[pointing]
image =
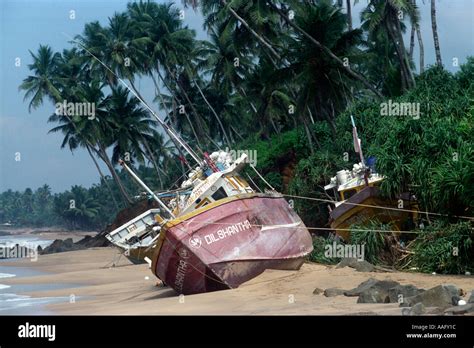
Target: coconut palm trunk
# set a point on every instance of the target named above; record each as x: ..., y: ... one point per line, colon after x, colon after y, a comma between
x: 104, y: 179
x: 412, y: 41
x: 106, y: 160
x: 103, y: 155
x: 152, y: 159
x: 394, y: 31
x: 191, y: 105
x: 420, y: 43
x: 422, y: 50
x: 434, y: 28
x: 349, y: 14
x: 404, y: 56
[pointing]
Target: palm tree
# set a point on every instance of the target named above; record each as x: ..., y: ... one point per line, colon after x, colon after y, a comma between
x: 191, y: 76
x: 254, y: 16
x: 42, y: 195
x: 42, y: 83
x: 325, y: 86
x: 434, y: 28
x: 415, y: 28
x: 384, y: 15
x: 116, y: 47
x: 85, y: 208
x: 269, y: 96
x: 327, y: 51
x: 55, y: 77
x: 132, y: 130
x: 222, y: 61
x: 166, y: 43
x: 91, y: 134
x: 74, y: 130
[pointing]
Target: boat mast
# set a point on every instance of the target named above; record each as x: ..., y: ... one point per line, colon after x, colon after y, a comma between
x: 357, y: 145
x: 142, y: 184
x: 358, y: 149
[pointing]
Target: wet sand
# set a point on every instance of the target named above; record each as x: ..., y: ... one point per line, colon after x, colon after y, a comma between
x: 134, y: 290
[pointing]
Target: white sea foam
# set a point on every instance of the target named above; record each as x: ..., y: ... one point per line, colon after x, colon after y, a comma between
x: 4, y: 286
x: 6, y: 275
x: 13, y: 303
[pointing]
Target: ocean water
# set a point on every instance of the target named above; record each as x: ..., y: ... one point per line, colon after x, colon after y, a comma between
x: 29, y: 241
x: 13, y: 301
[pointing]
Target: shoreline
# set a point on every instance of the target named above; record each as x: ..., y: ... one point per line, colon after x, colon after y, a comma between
x: 45, y: 233
x: 127, y: 289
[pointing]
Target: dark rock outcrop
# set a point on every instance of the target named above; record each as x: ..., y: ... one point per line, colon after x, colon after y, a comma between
x: 467, y: 308
x: 374, y: 295
x: 400, y: 292
x: 417, y: 309
x: 471, y: 298
x: 59, y: 246
x: 439, y: 296
x: 455, y: 300
x: 383, y: 285
x: 382, y: 291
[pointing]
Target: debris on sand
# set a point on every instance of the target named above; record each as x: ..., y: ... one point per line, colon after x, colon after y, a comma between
x: 331, y: 292
x: 358, y: 265
x: 318, y: 291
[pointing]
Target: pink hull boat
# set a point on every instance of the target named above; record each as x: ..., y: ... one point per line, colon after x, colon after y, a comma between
x: 225, y: 244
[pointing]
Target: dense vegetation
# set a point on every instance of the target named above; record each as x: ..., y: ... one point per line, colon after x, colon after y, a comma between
x: 278, y: 78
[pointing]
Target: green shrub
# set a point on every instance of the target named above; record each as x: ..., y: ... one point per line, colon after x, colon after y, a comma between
x: 319, y: 248
x: 369, y: 235
x: 435, y: 248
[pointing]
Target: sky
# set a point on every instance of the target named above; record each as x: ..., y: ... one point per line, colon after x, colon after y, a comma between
x: 30, y: 157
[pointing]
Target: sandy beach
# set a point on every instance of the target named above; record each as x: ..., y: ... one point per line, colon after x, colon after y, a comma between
x: 99, y: 288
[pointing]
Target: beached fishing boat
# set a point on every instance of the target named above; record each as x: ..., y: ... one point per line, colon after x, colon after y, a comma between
x: 136, y: 236
x: 218, y: 234
x: 358, y: 199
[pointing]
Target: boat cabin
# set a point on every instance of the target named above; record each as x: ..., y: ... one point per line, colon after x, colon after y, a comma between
x: 217, y: 186
x: 347, y: 183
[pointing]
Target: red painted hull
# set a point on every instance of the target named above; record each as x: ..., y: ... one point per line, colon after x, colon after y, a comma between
x: 230, y: 244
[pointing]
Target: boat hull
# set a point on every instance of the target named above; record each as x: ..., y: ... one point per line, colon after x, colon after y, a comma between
x: 345, y: 215
x: 230, y: 243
